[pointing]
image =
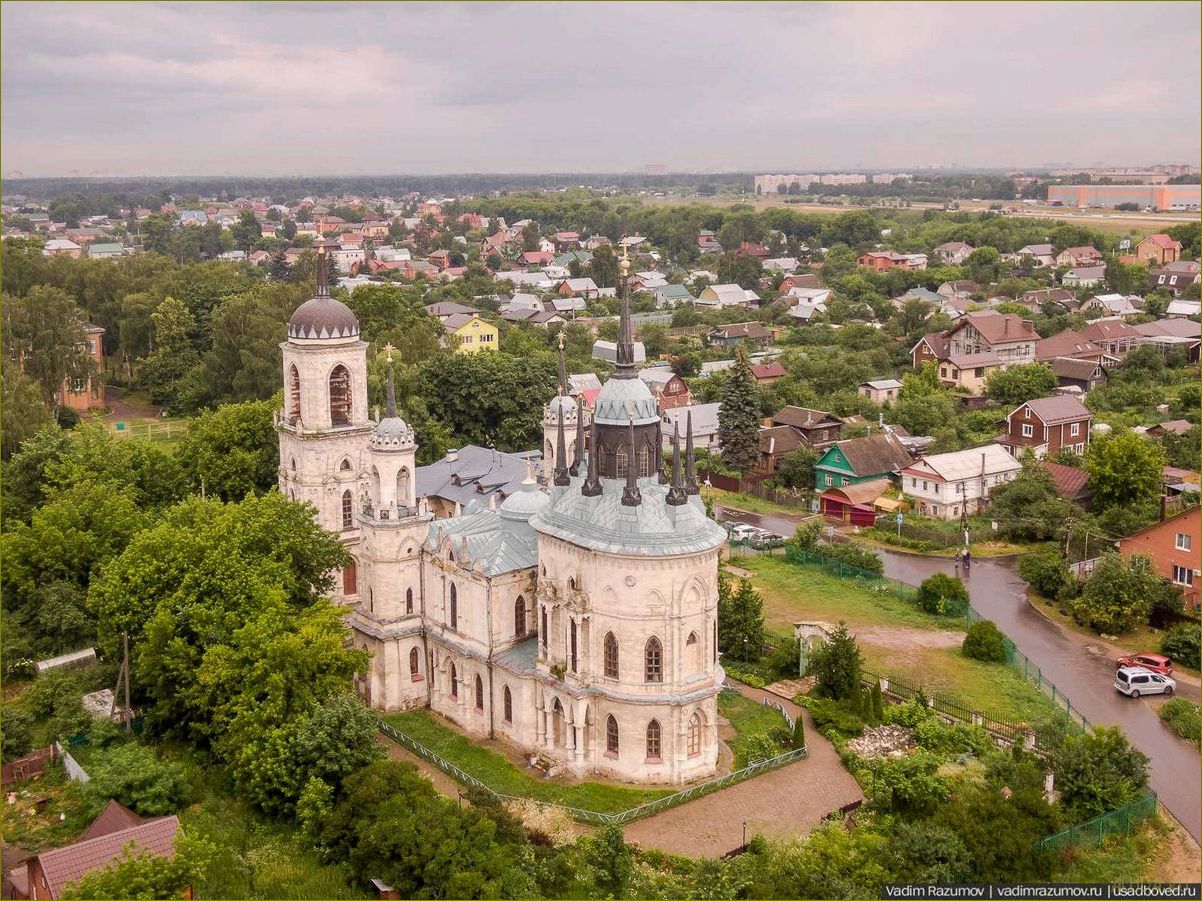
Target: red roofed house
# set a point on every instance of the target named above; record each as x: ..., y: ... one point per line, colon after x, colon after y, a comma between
x: 748, y: 249
x: 1173, y: 546
x: 46, y: 874
x: 1072, y: 483
x: 1079, y: 256
x: 669, y: 389
x: 767, y: 373
x: 1157, y: 250
x: 537, y: 258
x: 1046, y: 425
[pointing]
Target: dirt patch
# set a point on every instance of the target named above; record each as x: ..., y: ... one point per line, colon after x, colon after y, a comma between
x: 1177, y: 858
x: 902, y: 638
x: 739, y: 573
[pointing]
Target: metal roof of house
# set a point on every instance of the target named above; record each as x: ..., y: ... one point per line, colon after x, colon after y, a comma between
x: 966, y: 464
x: 62, y: 866
x: 474, y: 475
x: 873, y: 454
x: 705, y: 419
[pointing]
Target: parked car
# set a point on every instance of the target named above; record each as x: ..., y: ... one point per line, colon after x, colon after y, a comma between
x: 1157, y: 663
x: 1134, y: 681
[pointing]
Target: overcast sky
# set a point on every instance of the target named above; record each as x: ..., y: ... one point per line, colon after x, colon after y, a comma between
x: 358, y: 88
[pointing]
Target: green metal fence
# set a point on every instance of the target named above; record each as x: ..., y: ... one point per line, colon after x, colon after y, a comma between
x: 595, y: 816
x: 1033, y: 674
x: 1094, y: 832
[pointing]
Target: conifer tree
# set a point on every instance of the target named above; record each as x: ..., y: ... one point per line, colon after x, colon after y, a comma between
x: 739, y: 416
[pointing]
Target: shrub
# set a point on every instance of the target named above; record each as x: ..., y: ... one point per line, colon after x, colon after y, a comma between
x: 134, y: 775
x: 907, y: 713
x: 943, y: 738
x: 16, y: 733
x: 836, y: 666
x: 782, y: 662
x: 856, y: 555
x: 761, y: 747
x: 1118, y: 594
x: 1098, y: 772
x: 833, y: 714
x: 1046, y: 572
x: 984, y: 641
x: 1181, y: 643
x: 1182, y: 717
x: 799, y: 732
x: 937, y: 592
x: 746, y: 678
x: 909, y: 784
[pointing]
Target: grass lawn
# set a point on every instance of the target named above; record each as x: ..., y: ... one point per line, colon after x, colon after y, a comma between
x: 496, y: 771
x: 748, y: 718
x: 750, y: 503
x: 895, y: 637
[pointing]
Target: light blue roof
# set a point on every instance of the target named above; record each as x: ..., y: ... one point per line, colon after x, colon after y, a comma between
x: 488, y: 542
x: 620, y: 399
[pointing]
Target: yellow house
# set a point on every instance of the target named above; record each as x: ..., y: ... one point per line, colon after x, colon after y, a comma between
x: 471, y: 333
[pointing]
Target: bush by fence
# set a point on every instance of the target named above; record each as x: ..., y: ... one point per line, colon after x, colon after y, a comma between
x: 1094, y: 832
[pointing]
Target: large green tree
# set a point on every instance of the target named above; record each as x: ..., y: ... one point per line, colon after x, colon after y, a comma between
x: 1119, y: 594
x: 739, y: 415
x: 1016, y: 385
x: 740, y: 620
x: 1124, y: 469
x: 44, y: 338
x: 232, y: 451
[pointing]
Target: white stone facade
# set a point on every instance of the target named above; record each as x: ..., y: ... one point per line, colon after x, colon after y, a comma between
x: 507, y: 621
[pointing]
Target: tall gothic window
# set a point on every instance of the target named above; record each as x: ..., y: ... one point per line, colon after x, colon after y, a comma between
x: 572, y: 632
x: 294, y: 394
x: 348, y: 509
x: 611, y: 656
x: 621, y: 462
x: 414, y: 661
x: 653, y: 661
x: 479, y: 693
x: 340, y: 396
x: 350, y: 579
x: 508, y: 705
x: 408, y: 600
x: 519, y: 617
x: 653, y: 735
x: 543, y: 634
x: 611, y: 735
x: 454, y: 682
x: 694, y: 737
x: 644, y: 457
x: 454, y: 607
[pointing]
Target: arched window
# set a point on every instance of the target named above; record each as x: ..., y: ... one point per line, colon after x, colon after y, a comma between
x: 572, y: 645
x: 611, y: 656
x: 294, y: 394
x: 620, y: 462
x: 344, y: 466
x: 519, y: 617
x: 454, y: 607
x: 340, y: 396
x: 479, y: 693
x: 414, y: 662
x: 508, y: 705
x: 402, y: 487
x: 454, y: 682
x: 348, y: 509
x: 408, y: 600
x: 692, y: 652
x: 653, y: 734
x: 611, y: 736
x: 653, y: 661
x: 644, y: 458
x: 543, y: 634
x: 694, y: 735
x: 350, y: 578
x: 292, y: 464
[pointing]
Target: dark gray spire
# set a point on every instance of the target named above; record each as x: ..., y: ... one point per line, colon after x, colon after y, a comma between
x: 592, y: 484
x: 578, y: 454
x: 561, y: 454
x: 676, y: 494
x: 631, y: 497
x: 625, y: 349
x: 659, y: 453
x: 690, y: 464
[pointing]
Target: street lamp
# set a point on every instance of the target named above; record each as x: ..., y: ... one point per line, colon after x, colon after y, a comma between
x: 744, y: 835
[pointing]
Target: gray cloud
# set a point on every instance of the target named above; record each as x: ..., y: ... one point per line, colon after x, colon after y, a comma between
x: 141, y: 88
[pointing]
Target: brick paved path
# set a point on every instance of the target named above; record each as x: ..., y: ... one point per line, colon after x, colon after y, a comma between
x: 782, y: 803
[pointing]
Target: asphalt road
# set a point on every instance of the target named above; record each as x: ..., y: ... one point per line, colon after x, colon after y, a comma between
x: 1084, y: 672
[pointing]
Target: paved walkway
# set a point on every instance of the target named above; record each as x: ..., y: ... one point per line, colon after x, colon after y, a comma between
x: 782, y: 803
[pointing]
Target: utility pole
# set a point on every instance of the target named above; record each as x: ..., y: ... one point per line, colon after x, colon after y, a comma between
x: 129, y: 714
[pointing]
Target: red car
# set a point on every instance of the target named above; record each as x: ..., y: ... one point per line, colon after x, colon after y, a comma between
x: 1157, y: 663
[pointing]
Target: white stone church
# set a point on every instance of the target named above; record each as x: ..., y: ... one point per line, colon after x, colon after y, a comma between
x: 578, y: 622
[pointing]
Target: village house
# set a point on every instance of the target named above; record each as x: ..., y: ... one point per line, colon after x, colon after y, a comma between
x: 726, y: 296
x: 707, y: 242
x: 1158, y: 250
x: 469, y: 334
x: 1084, y: 277
x: 578, y: 287
x: 879, y: 391
x: 61, y: 247
x: 739, y: 332
x: 1077, y: 375
x: 780, y: 264
x: 1074, y: 257
x: 953, y: 253
x: 1110, y: 305
x: 943, y: 486
x: 805, y: 280
x: 1068, y: 343
x: 1173, y: 545
x: 861, y: 459
x: 977, y: 344
x: 1114, y: 336
x: 767, y: 373
x: 670, y: 295
x: 1169, y: 334
x: 882, y: 260
x: 817, y: 428
x: 1175, y: 277
x: 87, y: 393
x: 668, y: 389
x: 776, y: 443
x: 1046, y: 425
x: 1181, y: 309
x: 1071, y: 483
x: 959, y: 289
x: 1037, y: 255
x: 1037, y: 298
x: 704, y: 418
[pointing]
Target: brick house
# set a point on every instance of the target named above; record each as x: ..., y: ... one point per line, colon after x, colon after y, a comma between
x: 1046, y: 425
x: 669, y: 389
x: 1173, y: 545
x: 87, y: 393
x: 1079, y: 256
x: 1158, y: 250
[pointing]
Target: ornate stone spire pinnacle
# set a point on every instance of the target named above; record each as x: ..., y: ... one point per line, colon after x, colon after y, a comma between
x: 676, y: 494
x: 578, y: 453
x: 631, y: 497
x: 659, y: 453
x: 563, y: 372
x: 625, y: 349
x: 592, y: 484
x: 561, y: 453
x: 690, y: 464
x: 323, y: 275
x: 391, y: 408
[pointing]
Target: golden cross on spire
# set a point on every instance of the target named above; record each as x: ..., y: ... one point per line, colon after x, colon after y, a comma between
x: 388, y: 349
x: 561, y: 339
